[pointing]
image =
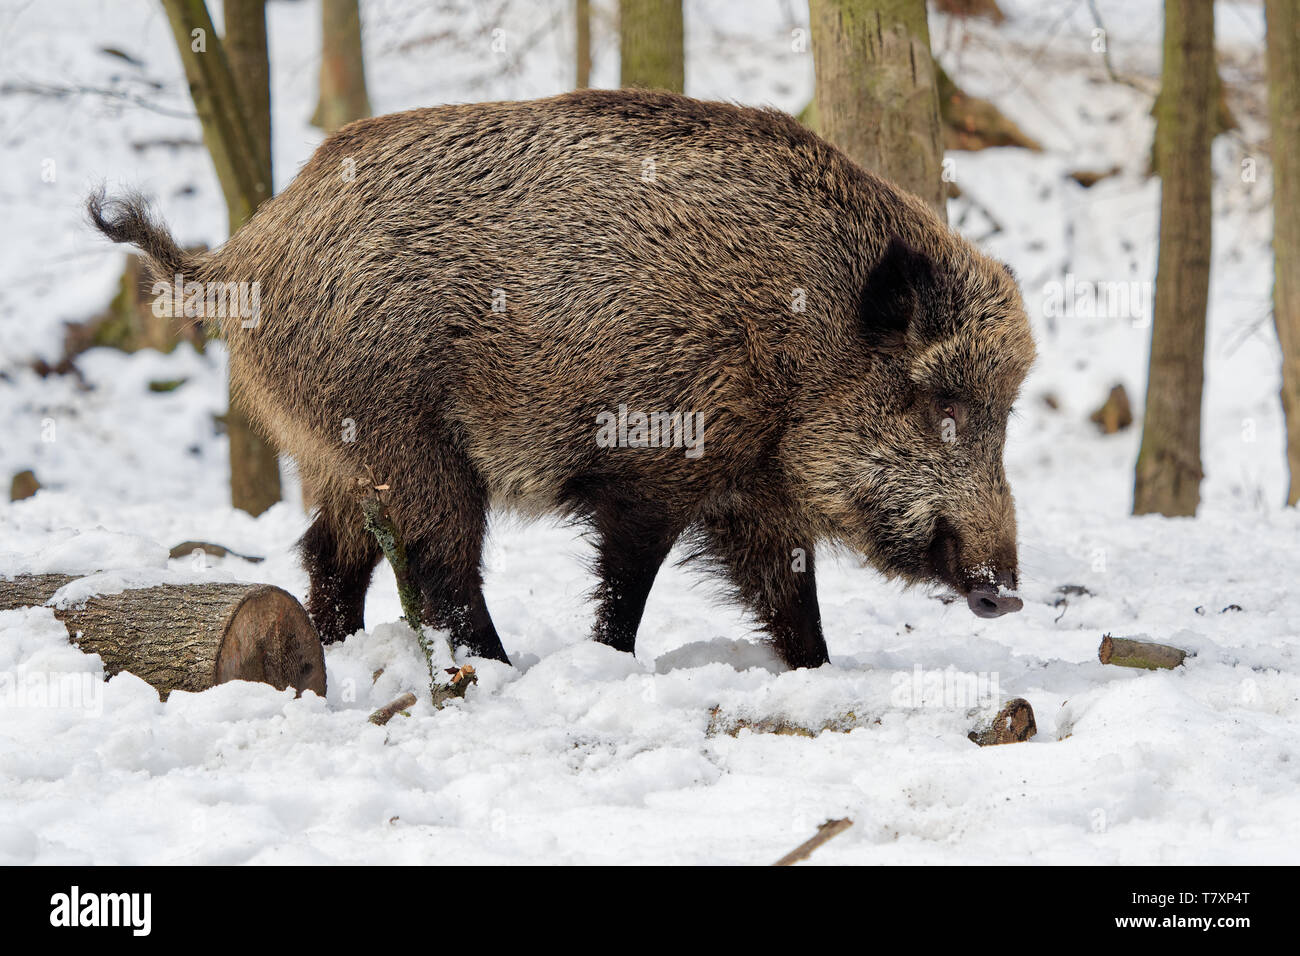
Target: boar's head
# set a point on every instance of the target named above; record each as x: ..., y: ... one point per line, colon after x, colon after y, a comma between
x: 901, y: 450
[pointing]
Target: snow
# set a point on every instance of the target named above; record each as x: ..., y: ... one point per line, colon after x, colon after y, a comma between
x: 580, y: 754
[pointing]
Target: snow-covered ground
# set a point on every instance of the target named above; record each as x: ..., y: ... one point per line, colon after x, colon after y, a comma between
x: 579, y: 753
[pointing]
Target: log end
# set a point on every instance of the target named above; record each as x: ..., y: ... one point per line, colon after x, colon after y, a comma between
x: 269, y: 638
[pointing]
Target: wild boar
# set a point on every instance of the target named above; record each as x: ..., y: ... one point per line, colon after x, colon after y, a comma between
x: 663, y: 318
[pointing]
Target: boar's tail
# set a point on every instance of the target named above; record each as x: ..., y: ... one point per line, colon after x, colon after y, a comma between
x: 128, y: 220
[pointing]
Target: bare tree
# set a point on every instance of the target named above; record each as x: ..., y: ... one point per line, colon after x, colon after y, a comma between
x: 1169, y: 472
x: 877, y: 90
x: 230, y: 86
x: 1284, y: 118
x: 651, y: 44
x: 343, y: 96
x: 582, y: 12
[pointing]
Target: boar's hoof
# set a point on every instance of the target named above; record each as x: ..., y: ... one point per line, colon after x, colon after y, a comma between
x: 986, y: 602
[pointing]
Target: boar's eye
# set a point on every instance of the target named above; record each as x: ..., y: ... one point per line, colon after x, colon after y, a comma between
x: 946, y: 407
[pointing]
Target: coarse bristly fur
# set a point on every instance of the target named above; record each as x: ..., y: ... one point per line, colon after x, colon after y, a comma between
x: 450, y: 298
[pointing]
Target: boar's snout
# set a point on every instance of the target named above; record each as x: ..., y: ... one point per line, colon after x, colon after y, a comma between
x: 983, y: 579
x: 988, y: 602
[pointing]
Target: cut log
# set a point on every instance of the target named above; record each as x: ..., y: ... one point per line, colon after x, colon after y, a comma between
x: 189, y: 637
x: 30, y: 590
x: 1123, y: 652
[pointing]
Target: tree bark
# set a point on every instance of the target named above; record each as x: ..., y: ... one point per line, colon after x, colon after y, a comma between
x: 254, y: 467
x: 343, y: 96
x: 1284, y: 119
x: 245, y: 181
x: 582, y: 56
x: 651, y: 45
x: 1168, y: 474
x: 877, y: 90
x: 189, y: 638
x: 231, y: 93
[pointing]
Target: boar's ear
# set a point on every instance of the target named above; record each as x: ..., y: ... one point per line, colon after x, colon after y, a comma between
x: 896, y: 290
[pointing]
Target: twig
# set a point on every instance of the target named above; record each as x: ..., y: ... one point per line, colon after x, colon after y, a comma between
x: 827, y: 831
x: 386, y: 713
x: 1105, y: 51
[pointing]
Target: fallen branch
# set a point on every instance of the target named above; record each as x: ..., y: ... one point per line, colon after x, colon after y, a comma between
x: 1013, y: 724
x: 827, y: 831
x: 386, y: 713
x: 187, y: 548
x: 1123, y: 652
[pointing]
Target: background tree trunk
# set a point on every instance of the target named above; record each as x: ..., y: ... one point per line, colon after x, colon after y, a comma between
x: 877, y: 90
x: 1169, y: 473
x: 231, y: 93
x: 254, y: 467
x: 1284, y: 119
x: 189, y: 638
x: 582, y: 12
x: 651, y: 45
x: 343, y: 96
x: 244, y: 179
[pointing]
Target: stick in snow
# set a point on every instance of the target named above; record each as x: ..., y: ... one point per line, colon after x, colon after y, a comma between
x: 827, y: 831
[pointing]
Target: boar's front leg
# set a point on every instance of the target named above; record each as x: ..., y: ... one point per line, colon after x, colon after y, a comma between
x: 452, y: 589
x: 633, y: 542
x: 772, y: 575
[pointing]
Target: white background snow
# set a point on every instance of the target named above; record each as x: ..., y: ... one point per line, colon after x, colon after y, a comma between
x: 579, y: 753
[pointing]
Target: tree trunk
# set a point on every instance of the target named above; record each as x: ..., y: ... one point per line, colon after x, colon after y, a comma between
x: 1284, y: 119
x: 1169, y: 464
x: 254, y: 468
x: 877, y: 90
x: 651, y: 45
x: 245, y: 180
x: 582, y: 11
x: 229, y: 83
x: 343, y: 96
x: 189, y: 638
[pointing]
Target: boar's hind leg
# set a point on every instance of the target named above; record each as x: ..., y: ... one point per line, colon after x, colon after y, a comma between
x: 773, y: 577
x: 447, y: 567
x: 633, y: 543
x: 340, y: 575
